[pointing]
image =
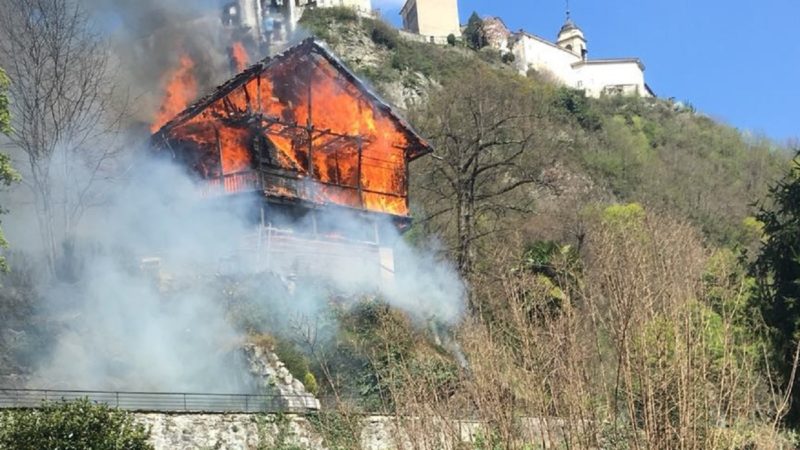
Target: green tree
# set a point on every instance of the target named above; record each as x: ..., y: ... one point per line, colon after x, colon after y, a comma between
x: 7, y: 173
x: 74, y: 425
x: 475, y: 35
x: 778, y: 274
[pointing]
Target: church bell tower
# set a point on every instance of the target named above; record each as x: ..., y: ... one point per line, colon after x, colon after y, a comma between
x: 571, y: 38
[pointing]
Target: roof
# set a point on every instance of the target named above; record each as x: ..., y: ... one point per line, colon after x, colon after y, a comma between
x: 419, y: 146
x: 498, y: 20
x: 569, y: 25
x: 407, y: 6
x: 590, y: 62
x: 544, y: 41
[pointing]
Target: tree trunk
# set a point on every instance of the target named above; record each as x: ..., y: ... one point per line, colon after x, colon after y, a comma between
x: 466, y: 213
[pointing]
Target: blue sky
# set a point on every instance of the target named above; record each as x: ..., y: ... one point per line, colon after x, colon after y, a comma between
x: 735, y: 60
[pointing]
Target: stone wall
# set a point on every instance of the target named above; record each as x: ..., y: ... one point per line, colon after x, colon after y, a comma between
x: 258, y: 431
x: 226, y: 431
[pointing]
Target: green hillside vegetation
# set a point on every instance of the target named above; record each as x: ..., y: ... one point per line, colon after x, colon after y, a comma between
x: 608, y: 245
x: 658, y: 152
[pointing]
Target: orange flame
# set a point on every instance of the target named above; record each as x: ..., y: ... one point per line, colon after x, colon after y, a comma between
x: 357, y: 153
x: 181, y: 89
x: 239, y: 56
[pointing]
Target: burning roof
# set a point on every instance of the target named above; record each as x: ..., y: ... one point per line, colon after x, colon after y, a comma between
x: 299, y: 126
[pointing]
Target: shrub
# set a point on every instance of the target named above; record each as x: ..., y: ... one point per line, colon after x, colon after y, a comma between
x: 382, y: 33
x: 320, y: 21
x: 310, y: 382
x: 74, y: 425
x: 451, y: 39
x: 575, y: 103
x: 294, y: 361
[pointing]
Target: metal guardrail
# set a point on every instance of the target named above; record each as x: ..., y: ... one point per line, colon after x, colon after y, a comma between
x: 163, y: 401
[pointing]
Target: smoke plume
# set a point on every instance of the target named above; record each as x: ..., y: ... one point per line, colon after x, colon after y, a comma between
x: 148, y: 304
x: 148, y: 311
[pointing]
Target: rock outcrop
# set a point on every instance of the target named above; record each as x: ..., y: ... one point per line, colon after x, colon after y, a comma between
x: 274, y: 378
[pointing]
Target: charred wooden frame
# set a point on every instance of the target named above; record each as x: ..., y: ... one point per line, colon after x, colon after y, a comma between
x: 294, y: 155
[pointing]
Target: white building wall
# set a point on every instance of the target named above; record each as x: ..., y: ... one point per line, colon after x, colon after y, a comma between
x: 623, y: 77
x: 532, y: 53
x: 596, y: 77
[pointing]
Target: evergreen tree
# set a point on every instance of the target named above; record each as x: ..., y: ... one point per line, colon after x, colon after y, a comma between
x: 778, y: 274
x: 475, y: 35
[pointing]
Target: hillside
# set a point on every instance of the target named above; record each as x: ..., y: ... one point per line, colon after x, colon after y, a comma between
x: 661, y: 153
x: 579, y: 274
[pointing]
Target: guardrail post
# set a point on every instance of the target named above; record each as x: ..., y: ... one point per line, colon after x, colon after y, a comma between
x: 184, y: 403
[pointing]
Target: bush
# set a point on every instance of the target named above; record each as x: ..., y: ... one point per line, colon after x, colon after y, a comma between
x: 575, y: 104
x: 321, y: 21
x: 294, y: 361
x: 310, y: 382
x: 451, y: 39
x: 74, y: 425
x: 382, y: 33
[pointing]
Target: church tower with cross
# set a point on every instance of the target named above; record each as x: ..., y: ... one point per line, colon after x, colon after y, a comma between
x: 566, y: 60
x: 571, y: 38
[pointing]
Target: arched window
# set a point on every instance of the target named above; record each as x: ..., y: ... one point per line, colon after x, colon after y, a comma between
x: 569, y: 47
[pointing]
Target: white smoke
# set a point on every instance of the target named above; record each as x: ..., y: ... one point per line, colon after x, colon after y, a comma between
x: 121, y: 327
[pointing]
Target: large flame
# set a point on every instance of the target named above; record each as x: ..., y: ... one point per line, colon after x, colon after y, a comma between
x: 304, y: 117
x: 239, y: 56
x: 180, y: 90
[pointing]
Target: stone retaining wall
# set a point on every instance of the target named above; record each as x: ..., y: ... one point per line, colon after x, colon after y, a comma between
x: 255, y: 431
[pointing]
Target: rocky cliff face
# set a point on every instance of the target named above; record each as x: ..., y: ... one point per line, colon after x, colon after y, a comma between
x: 274, y: 378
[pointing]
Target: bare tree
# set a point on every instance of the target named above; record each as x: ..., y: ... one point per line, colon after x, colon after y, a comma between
x: 61, y: 98
x: 489, y: 140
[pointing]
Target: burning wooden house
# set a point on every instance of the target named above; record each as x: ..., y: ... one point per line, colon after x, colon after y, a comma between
x: 308, y: 136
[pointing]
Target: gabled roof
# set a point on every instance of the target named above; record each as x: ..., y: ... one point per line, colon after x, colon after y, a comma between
x: 419, y: 146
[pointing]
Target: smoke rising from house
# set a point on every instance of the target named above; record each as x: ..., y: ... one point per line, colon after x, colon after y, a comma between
x: 150, y: 38
x: 147, y: 304
x: 148, y: 310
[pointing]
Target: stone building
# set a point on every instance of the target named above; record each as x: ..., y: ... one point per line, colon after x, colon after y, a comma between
x: 497, y: 33
x: 567, y: 60
x: 432, y: 19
